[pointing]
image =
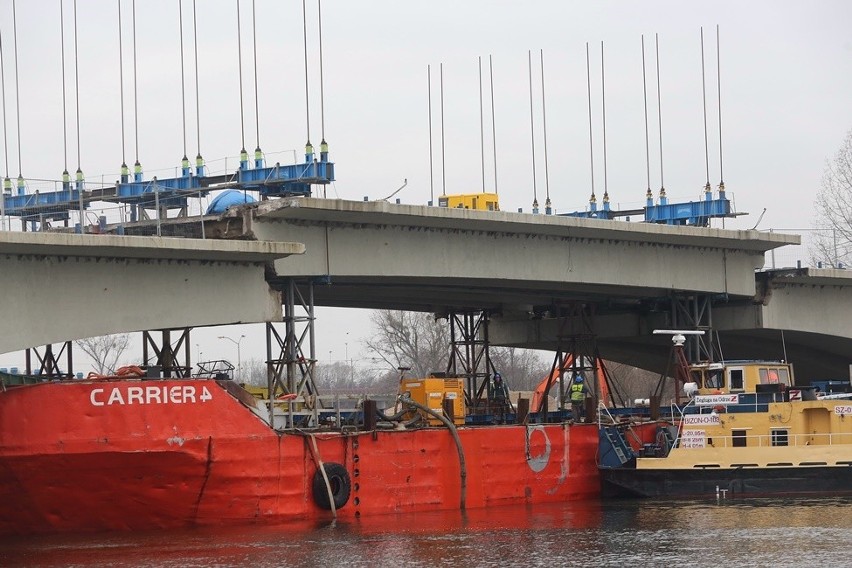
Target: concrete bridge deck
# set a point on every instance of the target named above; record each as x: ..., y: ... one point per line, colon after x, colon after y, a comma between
x: 58, y: 287
x: 381, y: 255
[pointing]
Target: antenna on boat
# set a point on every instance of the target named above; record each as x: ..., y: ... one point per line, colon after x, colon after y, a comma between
x: 431, y: 168
x: 548, y: 208
x: 493, y: 129
x: 532, y: 134
x: 592, y: 199
x: 649, y: 196
x: 707, y: 188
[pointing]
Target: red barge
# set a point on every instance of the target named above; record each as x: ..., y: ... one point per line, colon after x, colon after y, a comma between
x: 135, y: 453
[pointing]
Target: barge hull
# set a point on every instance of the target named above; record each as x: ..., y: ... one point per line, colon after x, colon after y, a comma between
x: 741, y: 482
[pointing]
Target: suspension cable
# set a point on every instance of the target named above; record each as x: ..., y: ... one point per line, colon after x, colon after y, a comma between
x: 443, y: 152
x: 645, y: 102
x: 659, y: 109
x: 544, y: 124
x: 17, y: 83
x: 5, y: 123
x: 431, y: 167
x: 719, y: 88
x: 603, y: 113
x: 307, y: 98
x: 256, y: 98
x: 77, y: 85
x: 532, y: 128
x: 481, y: 127
x: 121, y: 85
x: 493, y: 130
x: 240, y: 57
x: 197, y: 102
x: 589, y: 96
x: 135, y: 86
x: 322, y: 92
x: 182, y: 77
x: 704, y: 101
x: 64, y: 105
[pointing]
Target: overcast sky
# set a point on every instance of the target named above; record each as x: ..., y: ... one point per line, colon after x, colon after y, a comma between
x: 786, y: 88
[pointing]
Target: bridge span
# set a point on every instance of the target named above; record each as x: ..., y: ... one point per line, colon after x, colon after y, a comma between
x: 58, y: 287
x: 523, y: 269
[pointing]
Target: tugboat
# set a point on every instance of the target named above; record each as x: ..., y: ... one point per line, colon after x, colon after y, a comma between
x: 746, y: 429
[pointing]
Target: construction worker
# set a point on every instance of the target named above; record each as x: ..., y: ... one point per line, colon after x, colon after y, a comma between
x: 501, y: 396
x: 578, y: 397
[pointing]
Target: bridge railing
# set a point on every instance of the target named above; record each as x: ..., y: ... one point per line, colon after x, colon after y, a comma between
x: 820, y: 248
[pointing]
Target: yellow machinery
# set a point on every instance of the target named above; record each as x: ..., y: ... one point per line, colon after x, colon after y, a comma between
x: 478, y: 201
x: 432, y: 392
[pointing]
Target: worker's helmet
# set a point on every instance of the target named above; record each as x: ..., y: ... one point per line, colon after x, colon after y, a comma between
x: 578, y: 378
x: 498, y: 377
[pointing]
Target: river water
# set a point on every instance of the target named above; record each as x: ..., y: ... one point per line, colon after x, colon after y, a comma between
x: 753, y: 532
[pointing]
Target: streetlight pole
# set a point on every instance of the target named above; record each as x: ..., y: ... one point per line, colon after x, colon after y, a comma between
x: 239, y: 359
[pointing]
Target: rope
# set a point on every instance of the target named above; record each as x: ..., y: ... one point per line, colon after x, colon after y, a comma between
x: 315, y: 454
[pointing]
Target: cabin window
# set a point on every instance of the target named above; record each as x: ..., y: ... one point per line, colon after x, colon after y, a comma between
x: 736, y: 376
x: 784, y: 376
x: 780, y: 437
x: 738, y: 437
x: 768, y: 376
x: 715, y: 379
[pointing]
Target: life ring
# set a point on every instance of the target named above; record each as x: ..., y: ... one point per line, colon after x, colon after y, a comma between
x: 341, y: 486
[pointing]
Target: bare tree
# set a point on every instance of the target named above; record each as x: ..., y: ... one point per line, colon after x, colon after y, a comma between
x: 105, y: 351
x: 410, y: 339
x: 832, y: 243
x: 522, y: 369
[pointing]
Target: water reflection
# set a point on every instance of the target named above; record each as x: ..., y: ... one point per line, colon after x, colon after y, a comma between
x: 611, y: 533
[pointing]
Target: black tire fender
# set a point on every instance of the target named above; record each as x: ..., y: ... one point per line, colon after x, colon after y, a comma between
x: 341, y: 486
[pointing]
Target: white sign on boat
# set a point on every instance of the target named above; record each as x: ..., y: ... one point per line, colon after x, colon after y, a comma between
x: 714, y: 399
x: 701, y: 420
